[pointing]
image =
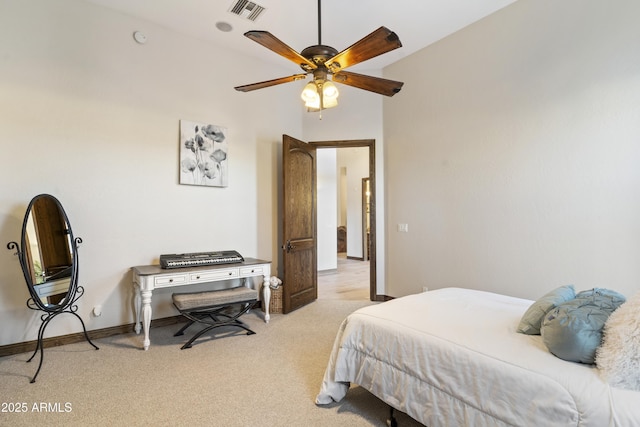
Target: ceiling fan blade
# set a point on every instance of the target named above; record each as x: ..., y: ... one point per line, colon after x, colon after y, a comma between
x: 373, y: 84
x: 378, y: 42
x: 271, y: 42
x: 268, y: 83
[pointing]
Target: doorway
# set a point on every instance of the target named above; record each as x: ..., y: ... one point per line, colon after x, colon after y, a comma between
x: 370, y: 144
x: 366, y: 218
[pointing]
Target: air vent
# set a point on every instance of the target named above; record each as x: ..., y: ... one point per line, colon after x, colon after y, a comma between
x: 247, y: 9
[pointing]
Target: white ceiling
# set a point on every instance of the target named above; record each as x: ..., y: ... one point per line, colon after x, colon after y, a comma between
x: 418, y: 23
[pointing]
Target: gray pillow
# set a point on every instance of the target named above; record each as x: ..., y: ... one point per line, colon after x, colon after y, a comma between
x: 573, y: 330
x: 532, y: 318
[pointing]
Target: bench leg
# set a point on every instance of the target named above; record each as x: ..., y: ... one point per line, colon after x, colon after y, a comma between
x: 237, y: 323
x: 184, y: 328
x: 218, y: 319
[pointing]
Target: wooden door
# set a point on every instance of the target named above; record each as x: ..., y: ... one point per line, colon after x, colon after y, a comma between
x: 300, y: 275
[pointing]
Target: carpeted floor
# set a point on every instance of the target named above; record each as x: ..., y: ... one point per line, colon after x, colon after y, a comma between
x: 267, y: 379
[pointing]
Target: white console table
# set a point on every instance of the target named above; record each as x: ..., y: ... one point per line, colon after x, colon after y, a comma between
x: 146, y: 278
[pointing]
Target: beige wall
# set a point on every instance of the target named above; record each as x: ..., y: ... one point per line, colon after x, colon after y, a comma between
x: 513, y: 153
x: 327, y: 201
x: 356, y: 162
x: 92, y: 117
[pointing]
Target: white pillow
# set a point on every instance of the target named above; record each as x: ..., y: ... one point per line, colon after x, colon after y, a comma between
x: 618, y: 358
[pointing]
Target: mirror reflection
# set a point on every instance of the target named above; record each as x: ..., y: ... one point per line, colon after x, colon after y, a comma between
x: 48, y: 249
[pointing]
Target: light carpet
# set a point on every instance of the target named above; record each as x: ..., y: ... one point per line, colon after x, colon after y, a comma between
x: 230, y: 379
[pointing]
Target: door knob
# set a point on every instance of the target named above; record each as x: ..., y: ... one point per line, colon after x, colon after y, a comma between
x: 288, y: 246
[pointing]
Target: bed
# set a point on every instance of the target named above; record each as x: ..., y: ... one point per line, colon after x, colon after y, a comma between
x: 452, y: 357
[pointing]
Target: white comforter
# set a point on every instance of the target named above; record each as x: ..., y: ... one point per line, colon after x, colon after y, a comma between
x: 452, y: 357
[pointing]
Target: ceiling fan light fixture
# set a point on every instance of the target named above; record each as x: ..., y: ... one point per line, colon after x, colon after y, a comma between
x: 310, y: 93
x: 319, y: 95
x: 313, y: 105
x: 330, y: 102
x: 330, y: 91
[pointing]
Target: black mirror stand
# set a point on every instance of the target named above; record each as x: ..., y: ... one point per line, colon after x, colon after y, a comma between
x: 68, y: 305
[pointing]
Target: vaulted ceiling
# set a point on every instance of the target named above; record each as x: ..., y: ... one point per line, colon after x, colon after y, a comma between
x: 418, y: 23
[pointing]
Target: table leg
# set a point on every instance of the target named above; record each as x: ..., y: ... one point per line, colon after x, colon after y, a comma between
x: 266, y: 298
x: 137, y: 302
x: 146, y: 313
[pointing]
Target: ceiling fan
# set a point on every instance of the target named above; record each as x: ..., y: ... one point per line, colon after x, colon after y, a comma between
x: 321, y: 61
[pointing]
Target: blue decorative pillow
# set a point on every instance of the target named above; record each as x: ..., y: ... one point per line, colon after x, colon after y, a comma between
x: 573, y: 330
x: 532, y: 318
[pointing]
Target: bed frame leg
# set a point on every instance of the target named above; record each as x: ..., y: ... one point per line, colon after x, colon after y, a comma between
x: 391, y: 422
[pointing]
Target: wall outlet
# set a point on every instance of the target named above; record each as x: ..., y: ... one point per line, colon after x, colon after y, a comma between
x: 97, y: 310
x: 403, y: 228
x: 425, y: 289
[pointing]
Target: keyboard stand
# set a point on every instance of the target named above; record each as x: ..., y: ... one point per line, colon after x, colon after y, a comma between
x: 146, y: 278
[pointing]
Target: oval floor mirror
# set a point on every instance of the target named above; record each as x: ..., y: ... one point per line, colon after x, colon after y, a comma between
x: 48, y: 255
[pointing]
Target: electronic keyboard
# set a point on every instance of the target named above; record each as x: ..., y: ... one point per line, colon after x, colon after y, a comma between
x: 199, y: 258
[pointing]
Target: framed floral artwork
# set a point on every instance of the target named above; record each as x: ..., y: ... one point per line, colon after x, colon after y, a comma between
x: 203, y: 154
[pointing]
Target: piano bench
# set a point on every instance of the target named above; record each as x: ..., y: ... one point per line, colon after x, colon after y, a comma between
x: 214, y: 309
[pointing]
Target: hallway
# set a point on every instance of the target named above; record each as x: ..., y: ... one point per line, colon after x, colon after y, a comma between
x: 349, y: 282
